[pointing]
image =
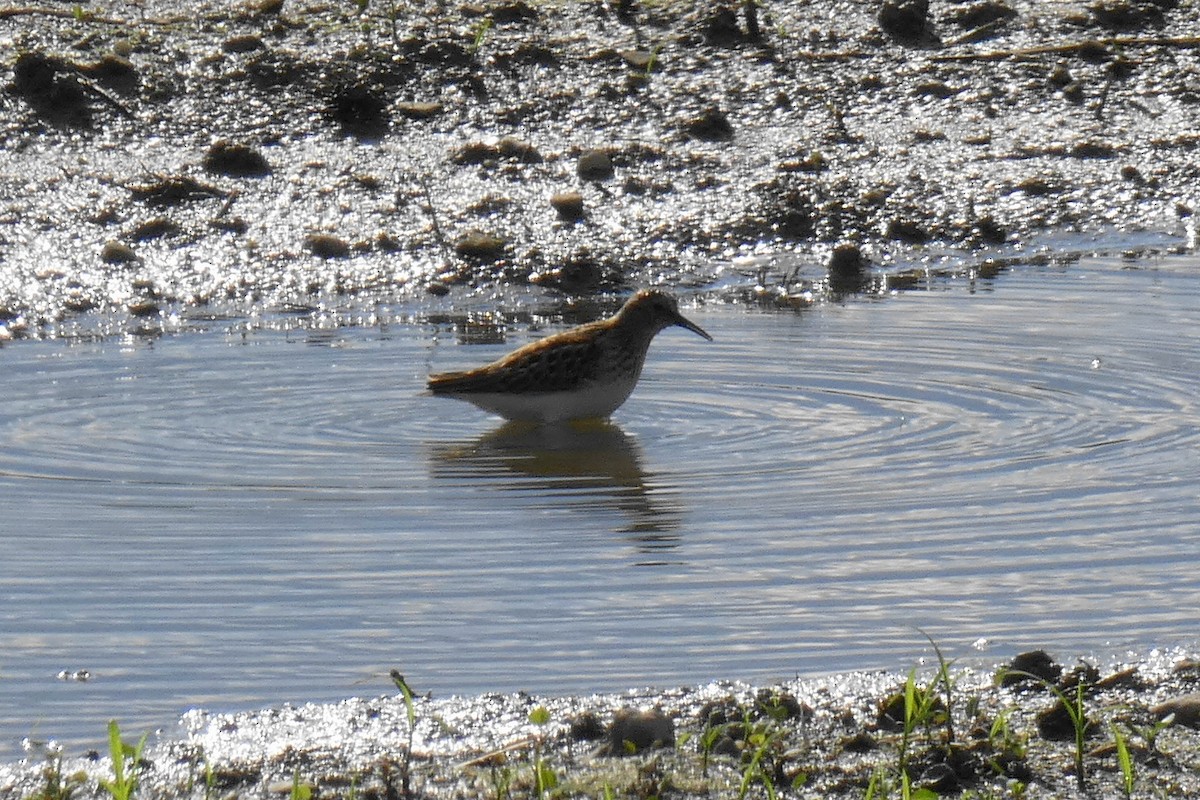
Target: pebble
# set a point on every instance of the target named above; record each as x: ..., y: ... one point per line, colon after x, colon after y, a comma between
x: 633, y: 731
x: 263, y: 7
x: 246, y: 43
x: 326, y: 245
x: 906, y: 21
x: 518, y: 149
x: 143, y: 308
x: 569, y: 205
x: 979, y: 14
x: 638, y: 59
x: 847, y: 258
x: 240, y: 160
x: 712, y: 125
x: 155, y: 228
x: 113, y: 69
x: 416, y: 109
x: 115, y: 252
x: 1035, y: 662
x: 594, y: 165
x: 1186, y: 709
x: 480, y: 246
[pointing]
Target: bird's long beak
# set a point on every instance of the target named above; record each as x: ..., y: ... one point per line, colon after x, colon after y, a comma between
x: 684, y: 322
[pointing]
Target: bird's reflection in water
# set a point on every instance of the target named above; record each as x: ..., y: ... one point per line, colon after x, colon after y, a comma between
x: 588, y: 465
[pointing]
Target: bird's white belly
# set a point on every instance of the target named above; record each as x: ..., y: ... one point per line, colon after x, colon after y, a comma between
x: 596, y: 401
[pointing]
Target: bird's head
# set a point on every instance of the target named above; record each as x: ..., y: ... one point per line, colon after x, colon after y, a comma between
x: 657, y: 310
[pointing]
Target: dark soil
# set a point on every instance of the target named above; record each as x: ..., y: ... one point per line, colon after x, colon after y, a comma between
x: 160, y: 166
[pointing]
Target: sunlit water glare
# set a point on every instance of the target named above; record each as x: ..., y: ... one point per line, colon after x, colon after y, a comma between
x: 241, y: 520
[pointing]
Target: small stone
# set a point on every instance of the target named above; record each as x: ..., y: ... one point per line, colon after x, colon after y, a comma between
x: 861, y: 742
x: 813, y: 162
x: 986, y: 12
x: 1056, y: 723
x: 143, y: 308
x: 638, y: 59
x: 1132, y: 174
x: 239, y: 160
x: 906, y: 230
x: 569, y: 205
x: 634, y: 731
x: 229, y: 224
x: 594, y: 165
x: 846, y: 262
x: 779, y: 702
x: 246, y: 43
x: 1186, y: 709
x: 892, y: 711
x: 289, y: 787
x: 416, y: 109
x: 1093, y: 149
x: 939, y: 778
x: 1187, y: 666
x: 265, y: 7
x: 938, y: 89
x: 77, y: 302
x: 475, y: 153
x: 712, y: 126
x: 907, y: 21
x: 513, y: 11
x: 721, y: 27
x: 1037, y: 186
x: 326, y: 245
x: 586, y: 727
x: 360, y: 109
x: 1122, y: 679
x: 115, y: 252
x: 1037, y: 663
x: 155, y: 228
x: 519, y: 150
x: 1073, y: 92
x: 480, y: 246
x: 1060, y: 76
x: 113, y: 69
x: 727, y: 747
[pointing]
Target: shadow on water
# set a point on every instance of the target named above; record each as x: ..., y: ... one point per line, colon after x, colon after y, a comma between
x: 593, y: 466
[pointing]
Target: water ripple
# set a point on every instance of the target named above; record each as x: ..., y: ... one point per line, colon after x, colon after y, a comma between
x: 197, y: 516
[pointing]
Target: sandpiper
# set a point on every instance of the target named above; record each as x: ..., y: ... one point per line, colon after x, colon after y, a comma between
x: 584, y: 373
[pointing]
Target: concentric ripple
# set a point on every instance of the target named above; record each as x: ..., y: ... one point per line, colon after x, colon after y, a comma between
x: 234, y: 521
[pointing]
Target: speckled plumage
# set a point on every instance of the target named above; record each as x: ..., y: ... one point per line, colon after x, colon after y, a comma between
x: 586, y: 372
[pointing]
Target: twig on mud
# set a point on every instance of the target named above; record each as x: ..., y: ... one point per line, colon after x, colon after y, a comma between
x: 484, y: 759
x: 173, y: 190
x: 431, y: 209
x: 86, y: 16
x: 1085, y: 46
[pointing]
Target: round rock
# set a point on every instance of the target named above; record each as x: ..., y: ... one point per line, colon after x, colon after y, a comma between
x: 594, y: 165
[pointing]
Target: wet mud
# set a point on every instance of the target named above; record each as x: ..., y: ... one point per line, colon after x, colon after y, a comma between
x: 160, y: 166
x: 1031, y: 727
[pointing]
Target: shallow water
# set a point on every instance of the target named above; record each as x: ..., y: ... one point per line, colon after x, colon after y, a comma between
x: 247, y: 519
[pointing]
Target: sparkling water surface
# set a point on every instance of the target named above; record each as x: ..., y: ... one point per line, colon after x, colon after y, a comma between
x: 245, y: 519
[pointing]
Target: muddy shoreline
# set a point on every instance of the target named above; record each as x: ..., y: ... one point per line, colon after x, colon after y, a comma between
x: 299, y: 159
x: 1000, y: 730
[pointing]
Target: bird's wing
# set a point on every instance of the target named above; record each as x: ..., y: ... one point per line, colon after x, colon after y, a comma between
x: 557, y: 363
